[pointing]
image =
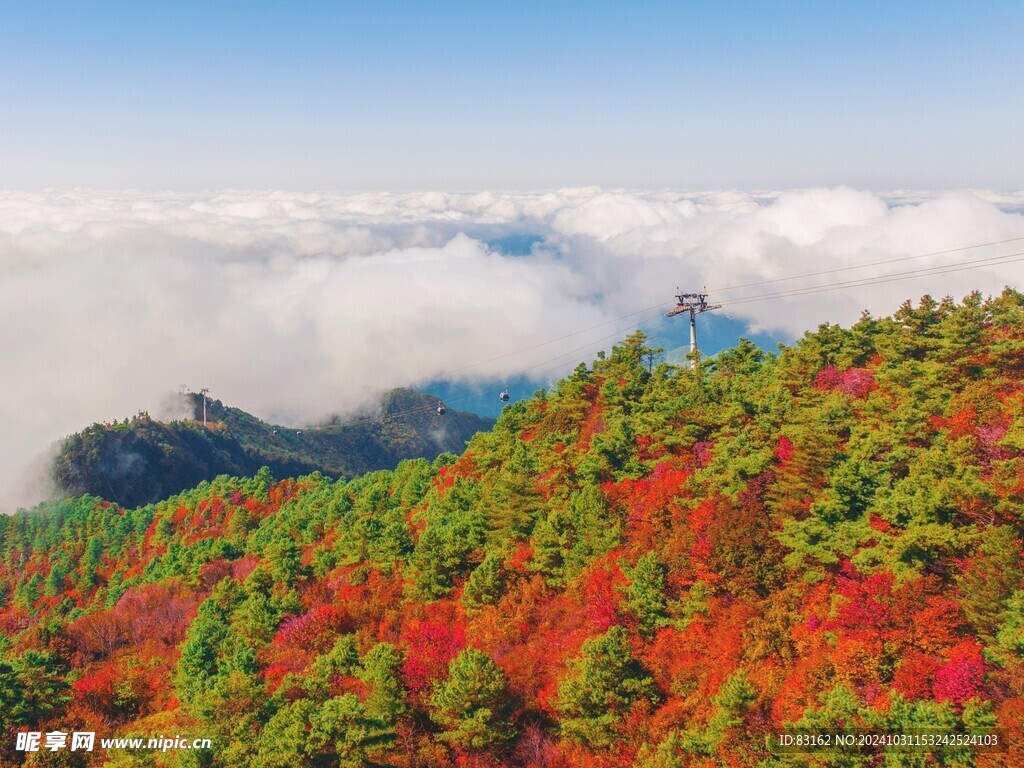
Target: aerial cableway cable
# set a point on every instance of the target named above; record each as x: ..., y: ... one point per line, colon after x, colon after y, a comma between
x: 549, y: 365
x: 663, y: 304
x: 804, y: 275
x: 552, y: 364
x: 866, y: 264
x: 1007, y: 258
x: 553, y: 341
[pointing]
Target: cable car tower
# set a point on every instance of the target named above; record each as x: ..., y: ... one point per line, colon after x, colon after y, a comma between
x: 694, y: 303
x: 204, y: 392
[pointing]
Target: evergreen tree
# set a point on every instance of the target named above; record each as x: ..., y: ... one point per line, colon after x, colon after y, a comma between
x: 472, y: 704
x: 381, y: 669
x: 485, y: 583
x: 1010, y: 636
x: 645, y: 596
x: 32, y: 689
x: 602, y: 684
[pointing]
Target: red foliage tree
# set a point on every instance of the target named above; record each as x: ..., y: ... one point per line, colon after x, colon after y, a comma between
x: 429, y: 646
x: 961, y: 676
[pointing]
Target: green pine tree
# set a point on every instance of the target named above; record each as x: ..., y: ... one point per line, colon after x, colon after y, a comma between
x: 473, y: 704
x: 602, y: 684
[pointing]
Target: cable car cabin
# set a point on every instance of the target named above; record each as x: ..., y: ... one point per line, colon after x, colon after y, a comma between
x: 298, y: 433
x: 274, y: 432
x: 441, y: 410
x: 504, y: 396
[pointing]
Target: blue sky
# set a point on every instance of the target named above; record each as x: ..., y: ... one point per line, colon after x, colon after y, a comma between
x: 523, y: 95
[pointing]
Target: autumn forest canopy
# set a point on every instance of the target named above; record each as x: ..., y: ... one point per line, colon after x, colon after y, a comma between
x: 648, y: 567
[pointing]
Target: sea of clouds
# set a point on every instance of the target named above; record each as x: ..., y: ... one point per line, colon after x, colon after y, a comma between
x: 295, y: 305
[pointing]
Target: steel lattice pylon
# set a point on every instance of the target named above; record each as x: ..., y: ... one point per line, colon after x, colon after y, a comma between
x: 694, y: 303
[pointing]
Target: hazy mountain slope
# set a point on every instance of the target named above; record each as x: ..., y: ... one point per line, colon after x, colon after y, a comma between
x: 143, y: 460
x: 633, y: 569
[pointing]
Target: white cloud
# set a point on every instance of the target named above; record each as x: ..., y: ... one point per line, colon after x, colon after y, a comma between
x: 294, y: 305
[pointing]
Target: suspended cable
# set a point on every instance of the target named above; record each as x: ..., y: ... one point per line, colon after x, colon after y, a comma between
x: 1008, y: 258
x: 548, y: 362
x: 856, y: 282
x: 818, y: 273
x: 560, y: 338
x: 868, y: 264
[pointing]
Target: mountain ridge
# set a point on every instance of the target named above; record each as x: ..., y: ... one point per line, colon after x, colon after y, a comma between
x: 142, y: 460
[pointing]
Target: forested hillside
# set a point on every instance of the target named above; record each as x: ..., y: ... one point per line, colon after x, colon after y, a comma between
x: 649, y: 569
x: 142, y: 460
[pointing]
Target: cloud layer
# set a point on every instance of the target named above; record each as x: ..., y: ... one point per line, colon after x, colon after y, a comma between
x: 296, y: 305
